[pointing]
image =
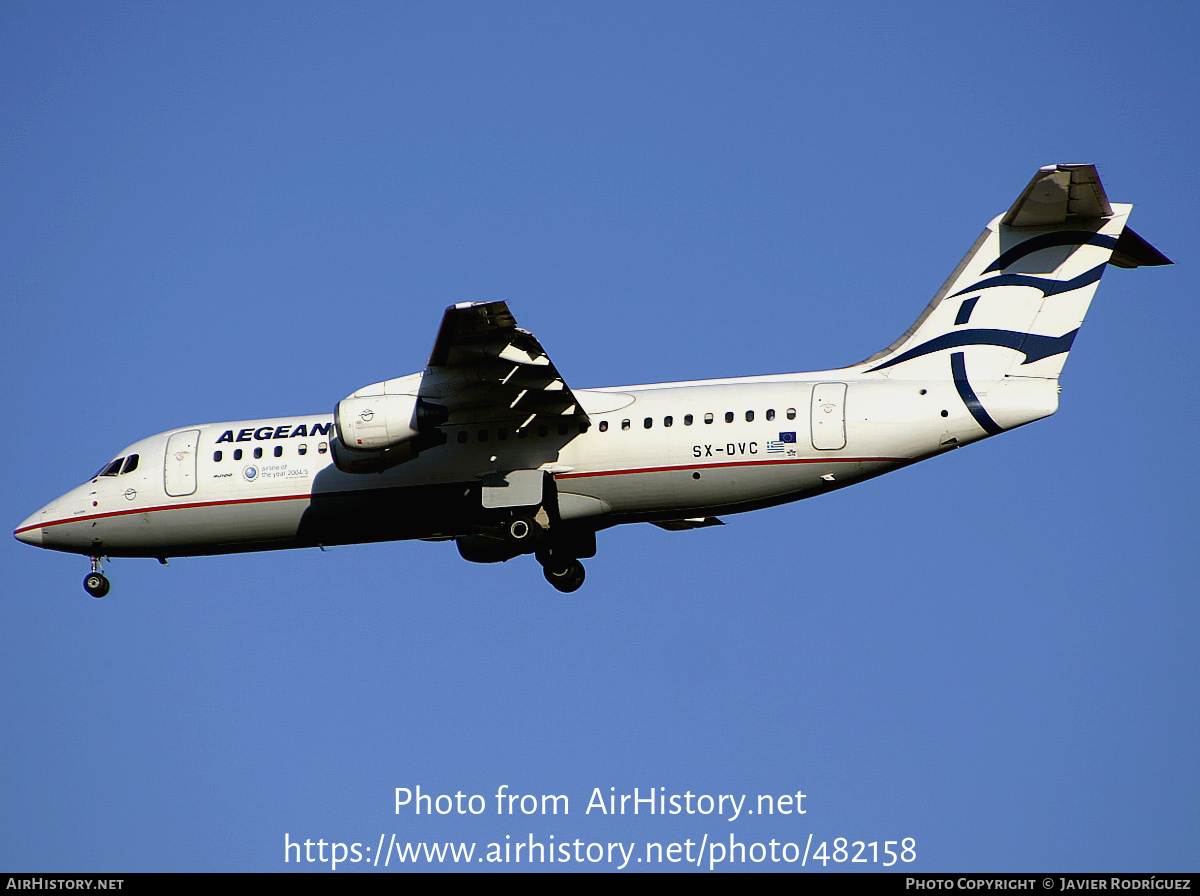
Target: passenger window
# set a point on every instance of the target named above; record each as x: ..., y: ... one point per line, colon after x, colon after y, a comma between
x: 649, y: 421
x: 217, y: 456
x: 583, y: 427
x: 770, y: 413
x: 624, y: 424
x: 302, y: 450
x: 729, y: 416
x: 604, y: 426
x: 543, y: 430
x: 258, y: 453
x: 749, y: 416
x: 279, y: 451
x: 791, y: 413
x: 481, y: 435
x: 237, y: 453
x: 322, y: 447
x: 563, y: 428
x: 502, y: 435
x: 708, y: 418
x: 687, y: 419
x: 462, y: 436
x: 667, y: 421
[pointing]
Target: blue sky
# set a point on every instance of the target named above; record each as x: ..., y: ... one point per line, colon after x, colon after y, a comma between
x: 226, y: 211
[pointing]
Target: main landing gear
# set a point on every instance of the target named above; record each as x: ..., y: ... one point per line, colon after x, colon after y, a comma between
x: 560, y: 567
x: 96, y: 582
x: 566, y: 574
x: 562, y: 570
x: 523, y: 533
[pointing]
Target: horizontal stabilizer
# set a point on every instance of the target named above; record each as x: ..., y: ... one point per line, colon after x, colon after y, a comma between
x: 1131, y: 251
x: 1057, y: 194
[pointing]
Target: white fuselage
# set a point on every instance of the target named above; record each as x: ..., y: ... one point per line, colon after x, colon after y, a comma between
x: 669, y: 451
x: 490, y: 447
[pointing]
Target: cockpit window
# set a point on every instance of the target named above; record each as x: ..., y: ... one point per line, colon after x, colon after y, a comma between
x: 111, y: 469
x: 118, y: 466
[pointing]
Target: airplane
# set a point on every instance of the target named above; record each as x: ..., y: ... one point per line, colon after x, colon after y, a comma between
x: 489, y: 447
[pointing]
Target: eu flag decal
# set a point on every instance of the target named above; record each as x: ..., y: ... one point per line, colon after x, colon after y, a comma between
x: 780, y: 446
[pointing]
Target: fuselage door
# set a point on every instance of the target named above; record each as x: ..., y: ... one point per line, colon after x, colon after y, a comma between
x: 829, y: 416
x: 179, y: 470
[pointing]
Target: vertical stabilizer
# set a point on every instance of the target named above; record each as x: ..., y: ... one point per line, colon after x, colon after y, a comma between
x: 1013, y: 306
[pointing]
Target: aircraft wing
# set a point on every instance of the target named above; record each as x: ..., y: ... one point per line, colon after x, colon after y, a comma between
x: 486, y: 369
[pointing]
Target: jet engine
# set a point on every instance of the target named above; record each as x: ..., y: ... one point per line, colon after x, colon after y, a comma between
x: 378, y: 431
x: 378, y: 422
x: 482, y: 549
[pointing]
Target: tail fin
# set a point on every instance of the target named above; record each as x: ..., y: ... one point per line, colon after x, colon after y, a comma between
x: 1012, y: 307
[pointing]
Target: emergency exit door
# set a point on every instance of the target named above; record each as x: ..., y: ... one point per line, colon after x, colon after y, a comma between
x: 829, y: 416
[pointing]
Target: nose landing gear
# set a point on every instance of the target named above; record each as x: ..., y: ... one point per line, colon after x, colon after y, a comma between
x: 95, y: 582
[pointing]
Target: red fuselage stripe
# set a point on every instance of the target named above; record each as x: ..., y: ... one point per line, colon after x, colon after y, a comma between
x: 738, y: 463
x: 162, y: 507
x: 306, y: 497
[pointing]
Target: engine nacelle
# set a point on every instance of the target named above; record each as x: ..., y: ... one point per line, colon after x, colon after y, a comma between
x: 373, y: 461
x: 381, y: 430
x: 482, y: 549
x: 376, y: 422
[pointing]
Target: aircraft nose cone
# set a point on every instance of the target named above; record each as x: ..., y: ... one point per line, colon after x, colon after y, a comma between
x: 31, y: 530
